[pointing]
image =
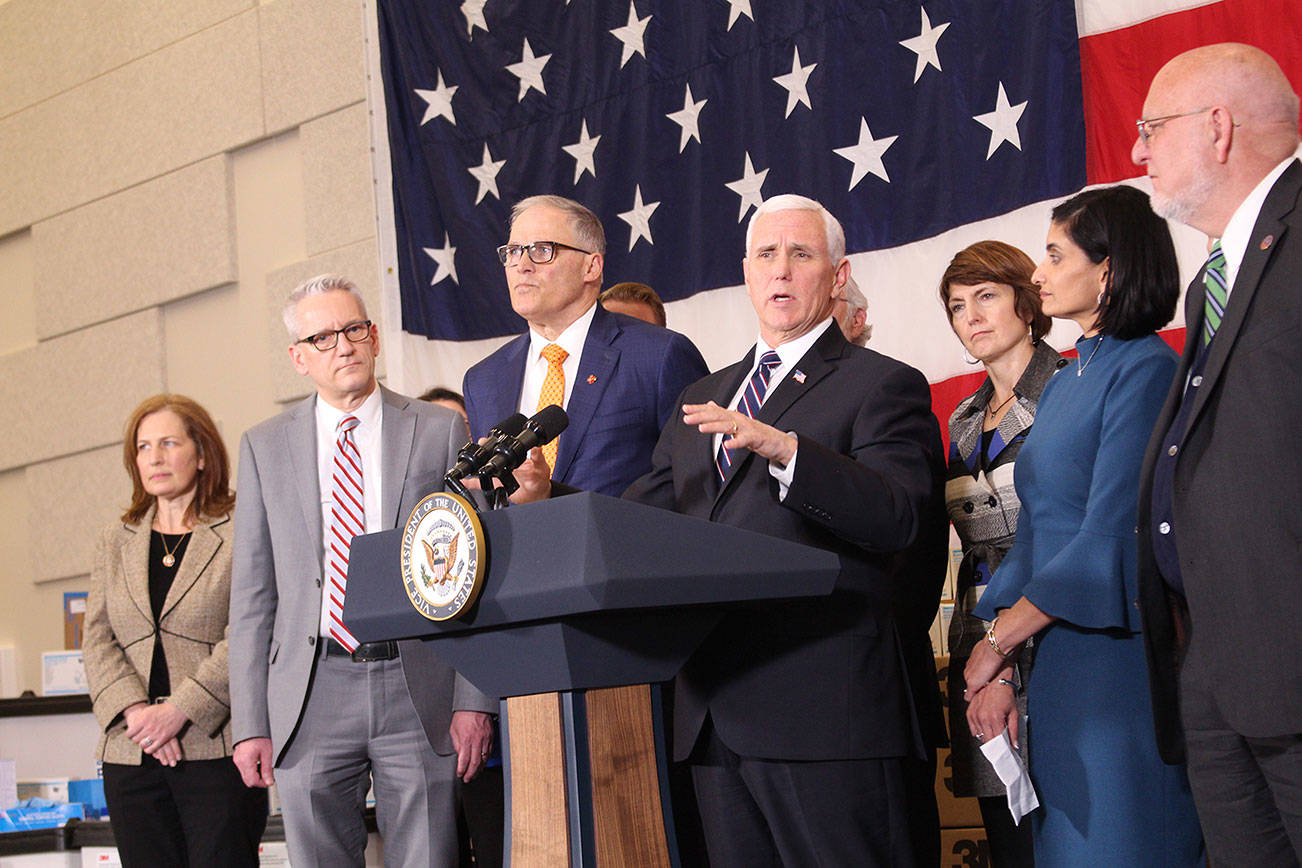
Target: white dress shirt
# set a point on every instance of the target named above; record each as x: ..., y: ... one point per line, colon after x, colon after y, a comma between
x: 1238, y: 232
x: 535, y: 366
x: 790, y: 353
x: 367, y: 438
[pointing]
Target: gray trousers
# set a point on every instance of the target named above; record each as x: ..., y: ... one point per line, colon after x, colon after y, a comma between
x: 1248, y: 791
x: 360, y: 727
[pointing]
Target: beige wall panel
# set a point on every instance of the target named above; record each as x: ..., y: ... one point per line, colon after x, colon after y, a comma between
x: 34, y: 623
x: 359, y: 263
x: 73, y: 393
x: 17, y: 292
x: 51, y: 46
x: 193, y: 99
x: 164, y: 239
x: 313, y: 59
x: 69, y: 501
x: 208, y: 358
x: 16, y: 576
x: 339, y: 208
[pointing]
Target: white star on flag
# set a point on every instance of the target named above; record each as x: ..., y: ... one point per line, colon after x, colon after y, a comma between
x: 474, y: 12
x: 529, y: 71
x: 1002, y: 122
x: 748, y: 187
x: 443, y: 257
x: 866, y: 155
x: 639, y: 218
x: 438, y: 101
x: 582, y: 151
x: 795, y: 83
x: 737, y: 9
x: 924, y: 45
x: 486, y: 174
x: 632, y: 35
x: 688, y: 117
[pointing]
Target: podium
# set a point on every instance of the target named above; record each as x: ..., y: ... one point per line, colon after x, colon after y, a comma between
x: 582, y: 593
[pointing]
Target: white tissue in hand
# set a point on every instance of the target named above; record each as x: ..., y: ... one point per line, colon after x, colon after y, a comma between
x: 1008, y: 765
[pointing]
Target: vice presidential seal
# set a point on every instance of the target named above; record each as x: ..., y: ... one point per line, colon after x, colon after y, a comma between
x: 442, y: 556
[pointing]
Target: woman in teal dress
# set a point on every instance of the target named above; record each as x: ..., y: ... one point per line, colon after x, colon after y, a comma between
x: 1070, y: 578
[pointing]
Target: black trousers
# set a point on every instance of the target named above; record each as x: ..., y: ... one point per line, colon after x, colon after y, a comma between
x: 785, y: 814
x: 198, y: 813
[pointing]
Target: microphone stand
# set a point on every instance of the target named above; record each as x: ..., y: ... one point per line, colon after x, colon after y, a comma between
x: 498, y: 497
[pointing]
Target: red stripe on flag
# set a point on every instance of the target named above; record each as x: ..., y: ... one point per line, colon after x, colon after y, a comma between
x: 1117, y: 67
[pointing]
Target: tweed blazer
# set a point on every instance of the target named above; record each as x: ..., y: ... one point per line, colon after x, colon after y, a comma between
x: 120, y: 636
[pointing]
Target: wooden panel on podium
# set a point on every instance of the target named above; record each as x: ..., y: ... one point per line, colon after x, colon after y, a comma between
x: 628, y: 816
x: 540, y: 828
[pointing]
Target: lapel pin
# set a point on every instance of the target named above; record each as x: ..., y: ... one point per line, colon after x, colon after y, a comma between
x: 799, y: 376
x: 1267, y: 241
x: 592, y: 378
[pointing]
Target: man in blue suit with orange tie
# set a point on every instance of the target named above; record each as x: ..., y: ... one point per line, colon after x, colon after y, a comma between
x: 618, y: 378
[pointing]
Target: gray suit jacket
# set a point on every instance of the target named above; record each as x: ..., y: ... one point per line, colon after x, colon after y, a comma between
x: 1238, y: 513
x: 277, y: 573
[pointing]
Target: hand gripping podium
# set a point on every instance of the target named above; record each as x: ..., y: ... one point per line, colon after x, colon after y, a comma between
x: 581, y: 593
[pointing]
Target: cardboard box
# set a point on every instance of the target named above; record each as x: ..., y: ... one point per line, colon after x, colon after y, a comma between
x: 955, y: 811
x: 74, y: 619
x: 62, y: 673
x: 964, y: 848
x: 21, y: 819
x: 100, y: 857
x: 273, y: 854
x: 52, y: 789
x: 90, y: 793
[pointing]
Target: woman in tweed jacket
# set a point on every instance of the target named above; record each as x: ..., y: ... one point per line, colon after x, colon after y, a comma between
x: 994, y: 310
x: 155, y: 650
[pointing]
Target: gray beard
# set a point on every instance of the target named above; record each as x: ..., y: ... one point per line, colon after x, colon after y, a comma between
x: 1181, y: 207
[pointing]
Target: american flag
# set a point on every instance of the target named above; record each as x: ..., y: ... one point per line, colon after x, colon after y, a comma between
x: 922, y: 126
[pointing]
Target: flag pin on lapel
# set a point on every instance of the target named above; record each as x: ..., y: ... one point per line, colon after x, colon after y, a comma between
x: 798, y: 375
x: 1267, y: 241
x: 592, y: 378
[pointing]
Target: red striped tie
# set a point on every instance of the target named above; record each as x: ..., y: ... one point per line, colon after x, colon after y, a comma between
x: 348, y: 519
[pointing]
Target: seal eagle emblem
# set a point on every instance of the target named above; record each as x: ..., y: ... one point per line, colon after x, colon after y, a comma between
x: 442, y: 556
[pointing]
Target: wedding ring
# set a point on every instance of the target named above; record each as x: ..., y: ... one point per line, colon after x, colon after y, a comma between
x: 981, y: 735
x: 734, y: 427
x: 148, y: 741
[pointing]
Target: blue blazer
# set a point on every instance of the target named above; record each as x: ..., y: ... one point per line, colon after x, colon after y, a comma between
x: 630, y: 376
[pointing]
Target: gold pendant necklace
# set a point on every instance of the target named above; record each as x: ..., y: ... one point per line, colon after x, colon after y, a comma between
x: 169, y: 557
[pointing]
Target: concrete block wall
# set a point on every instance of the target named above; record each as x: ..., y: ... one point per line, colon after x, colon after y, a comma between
x: 171, y: 171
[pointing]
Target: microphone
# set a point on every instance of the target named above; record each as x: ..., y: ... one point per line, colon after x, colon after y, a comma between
x: 473, y: 455
x: 510, y: 453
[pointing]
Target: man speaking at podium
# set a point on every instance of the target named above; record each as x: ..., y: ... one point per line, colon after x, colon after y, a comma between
x: 796, y: 717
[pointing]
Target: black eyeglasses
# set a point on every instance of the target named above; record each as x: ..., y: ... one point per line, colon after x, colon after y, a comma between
x: 540, y: 252
x: 1148, y: 127
x: 326, y: 340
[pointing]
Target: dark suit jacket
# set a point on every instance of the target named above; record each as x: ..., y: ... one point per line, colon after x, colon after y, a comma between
x: 825, y: 678
x: 630, y: 375
x: 1237, y: 498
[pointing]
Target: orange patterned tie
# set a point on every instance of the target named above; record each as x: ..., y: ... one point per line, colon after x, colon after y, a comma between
x: 553, y: 392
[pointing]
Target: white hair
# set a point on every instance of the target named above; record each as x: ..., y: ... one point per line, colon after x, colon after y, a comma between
x: 318, y: 285
x: 854, y: 296
x: 585, y: 225
x: 793, y: 202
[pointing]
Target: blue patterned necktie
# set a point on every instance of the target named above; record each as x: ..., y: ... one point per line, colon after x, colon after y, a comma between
x: 1216, y: 295
x: 749, y: 404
